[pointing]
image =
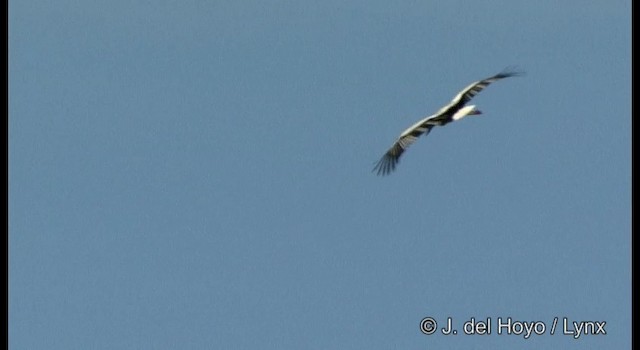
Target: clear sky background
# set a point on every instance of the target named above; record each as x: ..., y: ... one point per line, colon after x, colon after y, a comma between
x: 197, y: 174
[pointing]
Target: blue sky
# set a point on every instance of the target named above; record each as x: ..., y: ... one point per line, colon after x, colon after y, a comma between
x: 197, y: 174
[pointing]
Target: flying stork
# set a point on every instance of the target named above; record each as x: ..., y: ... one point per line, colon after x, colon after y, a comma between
x: 455, y: 110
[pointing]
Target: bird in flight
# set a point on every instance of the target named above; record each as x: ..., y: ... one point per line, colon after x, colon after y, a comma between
x: 455, y: 110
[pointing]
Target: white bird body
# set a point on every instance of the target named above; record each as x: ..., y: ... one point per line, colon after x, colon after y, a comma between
x: 453, y: 111
x: 465, y: 111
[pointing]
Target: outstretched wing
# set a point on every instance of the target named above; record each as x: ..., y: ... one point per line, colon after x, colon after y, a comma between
x: 470, y: 91
x: 389, y: 160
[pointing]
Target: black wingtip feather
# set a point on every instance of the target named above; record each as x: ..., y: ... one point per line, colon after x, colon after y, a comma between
x: 510, y: 71
x: 385, y: 165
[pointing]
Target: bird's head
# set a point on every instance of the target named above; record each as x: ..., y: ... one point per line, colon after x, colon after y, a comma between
x: 465, y: 111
